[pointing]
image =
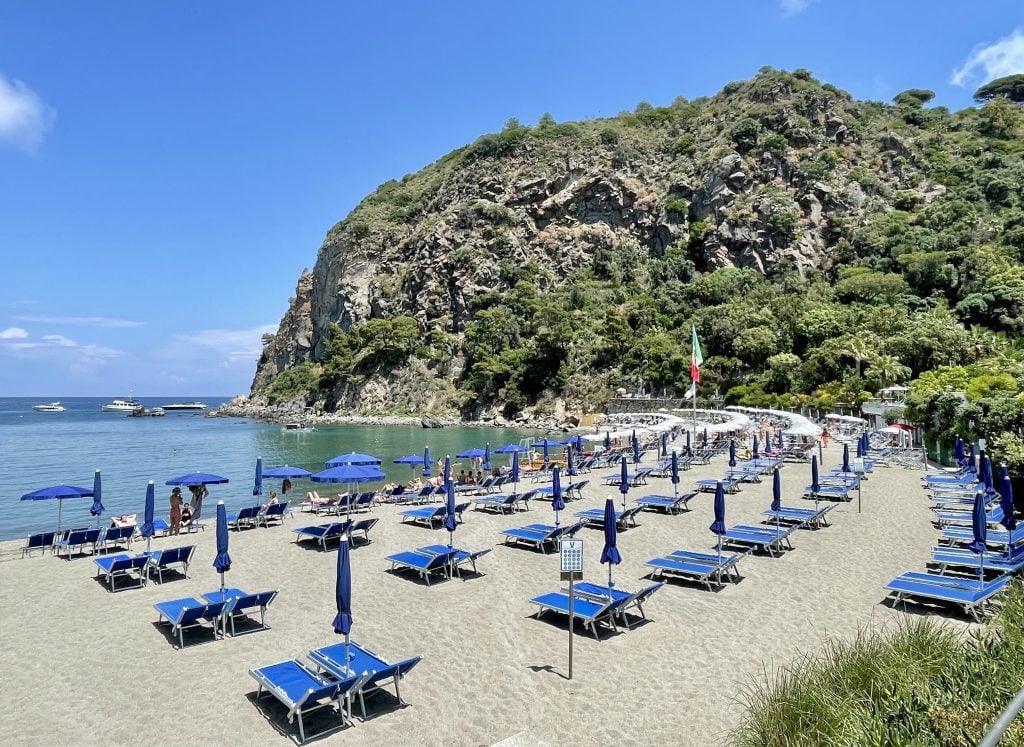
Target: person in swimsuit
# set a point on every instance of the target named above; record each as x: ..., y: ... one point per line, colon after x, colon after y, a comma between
x: 175, y: 510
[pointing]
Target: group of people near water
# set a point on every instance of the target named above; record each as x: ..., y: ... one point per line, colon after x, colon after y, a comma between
x: 184, y: 513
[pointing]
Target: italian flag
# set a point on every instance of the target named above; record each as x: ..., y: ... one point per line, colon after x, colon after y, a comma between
x: 696, y: 359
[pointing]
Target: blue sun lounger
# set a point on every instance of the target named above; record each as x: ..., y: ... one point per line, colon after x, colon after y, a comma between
x: 274, y: 512
x: 963, y: 535
x: 961, y: 557
x: 743, y: 475
x: 80, y: 539
x: 710, y: 486
x: 186, y: 613
x: 461, y: 557
x: 426, y: 515
x: 423, y: 563
x: 364, y: 526
x: 701, y: 567
x: 113, y: 567
x: 321, y: 533
x: 303, y: 691
x: 378, y: 672
x: 163, y: 560
x: 802, y: 517
x: 667, y: 503
x: 500, y: 503
x: 247, y: 516
x: 115, y: 536
x: 239, y: 604
x: 587, y: 611
x: 540, y: 535
x: 623, y: 519
x: 759, y: 537
x: 945, y: 517
x: 969, y: 594
x: 43, y: 541
x: 829, y: 492
x: 627, y: 599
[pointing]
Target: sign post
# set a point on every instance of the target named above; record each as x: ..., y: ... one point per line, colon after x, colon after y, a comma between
x: 570, y: 553
x: 859, y: 469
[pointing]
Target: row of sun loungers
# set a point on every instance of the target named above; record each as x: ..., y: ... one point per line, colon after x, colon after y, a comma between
x: 258, y: 515
x: 217, y: 608
x: 143, y: 565
x: 339, y: 673
x: 71, y: 540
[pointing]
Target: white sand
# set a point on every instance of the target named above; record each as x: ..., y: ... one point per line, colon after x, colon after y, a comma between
x: 84, y: 666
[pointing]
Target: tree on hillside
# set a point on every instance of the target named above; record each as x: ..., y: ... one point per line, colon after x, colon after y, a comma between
x: 1010, y: 86
x: 915, y: 97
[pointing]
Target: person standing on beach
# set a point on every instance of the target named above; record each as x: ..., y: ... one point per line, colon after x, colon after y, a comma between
x: 198, y: 493
x: 176, y: 510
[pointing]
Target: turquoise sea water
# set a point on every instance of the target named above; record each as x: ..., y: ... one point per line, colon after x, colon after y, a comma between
x: 42, y: 449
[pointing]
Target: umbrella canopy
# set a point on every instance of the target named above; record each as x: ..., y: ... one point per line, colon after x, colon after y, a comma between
x: 635, y: 444
x: 575, y: 442
x: 284, y: 472
x: 815, y: 484
x: 510, y: 449
x: 610, y: 554
x: 1006, y: 503
x: 426, y: 461
x: 257, y: 485
x: 846, y: 457
x: 756, y: 451
x: 732, y: 452
x: 958, y: 450
x: 58, y: 493
x: 776, y: 490
x: 979, y: 524
x: 449, y: 510
x: 348, y: 473
x: 413, y: 460
x: 487, y: 456
x: 343, y: 591
x: 197, y: 478
x: 557, y: 504
x: 718, y: 525
x: 353, y: 458
x: 222, y: 562
x: 548, y: 442
x: 97, y: 495
x: 147, y: 529
x: 473, y: 453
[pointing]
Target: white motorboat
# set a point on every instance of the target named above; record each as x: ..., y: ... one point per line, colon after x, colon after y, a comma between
x: 121, y: 405
x: 181, y: 406
x: 49, y: 407
x: 297, y: 428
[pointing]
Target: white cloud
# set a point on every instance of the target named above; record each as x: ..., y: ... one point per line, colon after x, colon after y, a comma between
x: 103, y: 322
x: 13, y: 333
x: 60, y: 341
x: 218, y: 347
x: 24, y: 117
x: 50, y: 345
x: 794, y: 7
x: 989, y: 61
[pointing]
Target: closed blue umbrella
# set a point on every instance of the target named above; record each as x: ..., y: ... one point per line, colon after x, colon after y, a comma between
x: 860, y: 447
x: 353, y: 458
x: 610, y: 553
x: 426, y: 461
x: 607, y: 439
x: 623, y: 481
x: 515, y: 472
x: 547, y: 453
x: 718, y: 525
x: 675, y: 473
x: 979, y: 525
x: 343, y: 594
x: 147, y: 530
x: 446, y: 474
x: 449, y: 511
x: 222, y: 562
x: 58, y: 493
x: 756, y: 451
x: 557, y: 504
x: 846, y: 457
x: 487, y: 457
x: 570, y: 458
x: 705, y: 436
x: 815, y: 484
x: 664, y: 444
x: 971, y: 466
x: 636, y: 448
x: 97, y: 495
x: 732, y: 452
x: 776, y: 495
x: 257, y: 485
x: 782, y: 443
x: 958, y: 450
x: 1006, y: 503
x: 689, y: 447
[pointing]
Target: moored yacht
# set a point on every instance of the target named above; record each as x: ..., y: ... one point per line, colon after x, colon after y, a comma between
x: 185, y: 406
x: 49, y: 407
x: 121, y: 405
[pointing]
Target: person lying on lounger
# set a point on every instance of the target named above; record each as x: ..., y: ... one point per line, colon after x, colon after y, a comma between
x: 128, y: 520
x: 271, y: 502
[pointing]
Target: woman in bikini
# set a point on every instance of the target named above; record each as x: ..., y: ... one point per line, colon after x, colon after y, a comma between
x: 175, y: 510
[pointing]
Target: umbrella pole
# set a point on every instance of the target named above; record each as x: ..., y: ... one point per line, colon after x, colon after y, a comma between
x: 222, y: 586
x: 981, y: 574
x: 719, y: 549
x: 60, y: 512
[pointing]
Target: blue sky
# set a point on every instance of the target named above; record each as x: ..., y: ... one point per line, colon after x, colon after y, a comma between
x: 168, y: 169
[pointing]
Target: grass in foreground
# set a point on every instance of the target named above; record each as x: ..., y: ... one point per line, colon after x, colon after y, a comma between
x: 918, y: 684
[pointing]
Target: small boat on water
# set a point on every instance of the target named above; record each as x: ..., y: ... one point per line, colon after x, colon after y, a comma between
x: 297, y: 428
x: 49, y: 407
x: 142, y: 412
x: 121, y: 405
x: 180, y: 406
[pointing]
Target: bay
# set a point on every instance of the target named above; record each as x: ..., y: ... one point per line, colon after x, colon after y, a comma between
x: 40, y: 449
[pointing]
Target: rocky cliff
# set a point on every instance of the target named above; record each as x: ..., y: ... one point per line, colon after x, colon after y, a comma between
x: 779, y: 175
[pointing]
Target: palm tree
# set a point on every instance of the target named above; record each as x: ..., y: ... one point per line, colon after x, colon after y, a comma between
x: 888, y: 369
x: 858, y: 349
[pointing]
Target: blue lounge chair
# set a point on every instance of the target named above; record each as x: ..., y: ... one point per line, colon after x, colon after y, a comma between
x: 239, y: 604
x: 574, y: 491
x: 246, y: 517
x: 743, y: 475
x: 588, y: 611
x: 759, y: 537
x: 115, y: 536
x: 80, y: 539
x: 422, y: 563
x: 426, y: 515
x: 303, y: 691
x: 703, y: 568
x: 829, y: 492
x: 971, y: 595
x: 377, y: 671
x: 710, y: 486
x: 274, y: 512
x: 462, y: 557
x: 43, y: 541
x: 186, y: 613
x: 944, y: 517
x: 964, y: 535
x: 162, y: 560
x: 320, y: 533
x: 802, y: 517
x: 540, y: 535
x: 627, y: 599
x: 623, y: 519
x: 122, y: 566
x: 500, y: 503
x: 962, y: 558
x: 667, y: 503
x: 364, y: 526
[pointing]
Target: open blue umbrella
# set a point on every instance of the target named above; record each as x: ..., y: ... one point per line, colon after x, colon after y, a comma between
x: 487, y: 457
x: 449, y: 511
x: 515, y: 472
x: 623, y: 481
x: 718, y: 525
x: 732, y: 452
x: 284, y: 472
x: 222, y: 562
x: 576, y: 442
x: 510, y: 449
x: 635, y: 444
x: 343, y: 594
x: 776, y: 495
x: 675, y: 474
x: 257, y: 485
x: 473, y: 453
x: 846, y: 457
x: 557, y: 504
x: 197, y: 478
x: 607, y: 439
x: 756, y: 451
x: 979, y: 525
x: 58, y: 493
x: 97, y: 496
x: 610, y: 553
x: 351, y: 474
x: 413, y: 460
x: 147, y: 530
x: 353, y: 458
x: 815, y: 484
x: 426, y: 461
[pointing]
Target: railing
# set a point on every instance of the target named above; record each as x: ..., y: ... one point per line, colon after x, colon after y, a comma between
x: 1002, y: 723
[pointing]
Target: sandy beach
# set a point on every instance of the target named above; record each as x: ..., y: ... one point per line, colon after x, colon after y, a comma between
x: 85, y: 666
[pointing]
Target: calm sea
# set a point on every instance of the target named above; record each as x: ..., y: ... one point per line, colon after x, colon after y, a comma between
x: 41, y: 449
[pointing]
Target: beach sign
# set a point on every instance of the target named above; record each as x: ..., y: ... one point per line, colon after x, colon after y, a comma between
x: 570, y: 554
